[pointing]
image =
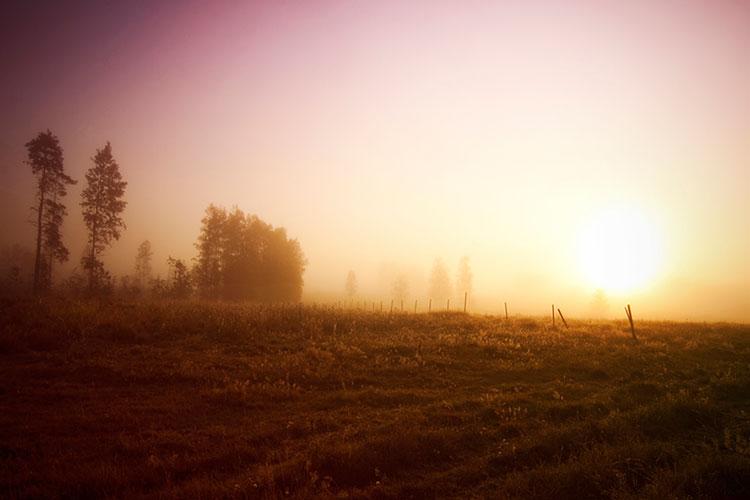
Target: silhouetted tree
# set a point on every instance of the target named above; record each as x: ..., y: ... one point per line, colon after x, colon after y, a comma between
x: 210, y: 244
x: 179, y: 278
x: 235, y: 256
x: 45, y: 156
x: 282, y: 266
x: 17, y: 264
x: 143, y: 264
x: 158, y: 287
x: 400, y: 288
x: 440, y: 283
x: 350, y: 286
x: 242, y: 257
x: 102, y: 205
x: 54, y: 248
x: 464, y: 278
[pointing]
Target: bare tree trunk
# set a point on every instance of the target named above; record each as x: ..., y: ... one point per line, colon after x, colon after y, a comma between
x: 92, y: 257
x: 38, y: 259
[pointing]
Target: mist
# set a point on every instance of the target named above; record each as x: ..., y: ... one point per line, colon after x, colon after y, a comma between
x: 383, y: 136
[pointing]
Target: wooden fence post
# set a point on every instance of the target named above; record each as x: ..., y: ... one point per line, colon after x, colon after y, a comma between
x: 562, y: 317
x: 466, y: 298
x: 630, y: 319
x: 553, y: 314
x: 506, y: 310
x: 429, y: 307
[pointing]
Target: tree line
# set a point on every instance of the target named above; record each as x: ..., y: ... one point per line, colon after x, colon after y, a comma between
x: 440, y: 287
x: 240, y: 257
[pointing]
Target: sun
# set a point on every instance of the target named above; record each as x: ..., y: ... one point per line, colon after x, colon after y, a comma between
x: 620, y: 250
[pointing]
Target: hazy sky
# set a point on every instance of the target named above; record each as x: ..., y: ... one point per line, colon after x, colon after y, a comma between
x: 383, y: 134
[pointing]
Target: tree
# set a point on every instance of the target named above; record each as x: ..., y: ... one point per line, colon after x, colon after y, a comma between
x: 235, y: 255
x: 143, y: 264
x: 400, y: 288
x: 440, y: 283
x: 16, y: 265
x: 102, y: 205
x: 179, y: 283
x: 208, y: 269
x: 283, y: 264
x: 464, y: 278
x: 242, y: 257
x: 350, y: 286
x: 45, y: 157
x: 54, y: 248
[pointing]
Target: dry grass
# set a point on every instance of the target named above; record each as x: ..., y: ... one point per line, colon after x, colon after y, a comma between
x: 196, y: 400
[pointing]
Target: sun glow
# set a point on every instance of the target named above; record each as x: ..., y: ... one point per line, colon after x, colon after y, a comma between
x: 620, y: 250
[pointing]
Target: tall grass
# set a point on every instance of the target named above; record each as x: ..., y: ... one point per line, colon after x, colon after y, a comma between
x: 196, y: 399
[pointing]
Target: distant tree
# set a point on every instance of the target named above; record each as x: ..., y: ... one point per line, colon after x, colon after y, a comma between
x: 242, y: 257
x: 440, y: 282
x: 235, y: 257
x: 143, y: 264
x: 350, y: 286
x: 465, y: 278
x: 102, y: 205
x: 129, y: 287
x: 17, y: 264
x: 158, y: 287
x: 283, y: 264
x: 210, y: 245
x: 179, y: 284
x: 45, y: 157
x: 400, y: 288
x: 599, y: 304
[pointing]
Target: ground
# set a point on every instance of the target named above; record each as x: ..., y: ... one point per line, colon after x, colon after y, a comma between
x: 194, y: 399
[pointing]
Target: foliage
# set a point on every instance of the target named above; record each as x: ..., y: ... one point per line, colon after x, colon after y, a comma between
x: 242, y: 257
x: 45, y: 157
x: 179, y: 284
x: 440, y: 283
x: 102, y: 203
x: 17, y: 264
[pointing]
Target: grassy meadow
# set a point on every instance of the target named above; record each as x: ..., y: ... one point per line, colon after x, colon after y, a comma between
x: 203, y: 400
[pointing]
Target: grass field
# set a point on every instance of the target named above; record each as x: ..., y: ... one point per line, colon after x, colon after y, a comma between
x: 195, y: 400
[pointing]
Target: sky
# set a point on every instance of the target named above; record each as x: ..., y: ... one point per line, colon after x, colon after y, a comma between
x: 386, y: 134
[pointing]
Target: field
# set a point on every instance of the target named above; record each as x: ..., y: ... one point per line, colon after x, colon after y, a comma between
x: 191, y: 400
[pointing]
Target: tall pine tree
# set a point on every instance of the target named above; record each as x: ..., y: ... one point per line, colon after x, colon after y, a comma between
x: 45, y: 157
x: 102, y: 205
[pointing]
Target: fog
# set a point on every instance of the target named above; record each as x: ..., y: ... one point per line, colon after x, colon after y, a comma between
x: 384, y: 136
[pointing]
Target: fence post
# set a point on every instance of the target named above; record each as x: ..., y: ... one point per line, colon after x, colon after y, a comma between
x: 506, y: 310
x: 562, y: 317
x: 466, y: 297
x: 630, y: 319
